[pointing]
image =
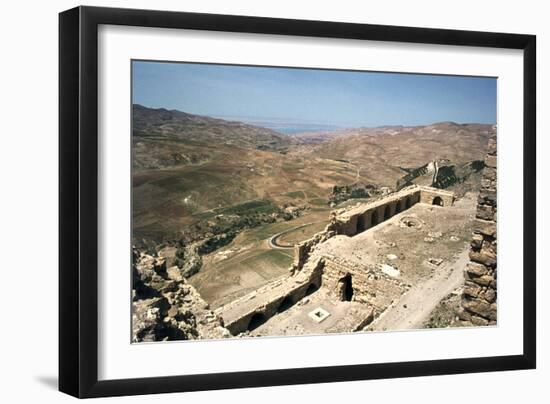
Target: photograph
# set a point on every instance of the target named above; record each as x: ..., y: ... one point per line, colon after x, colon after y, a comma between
x: 287, y: 201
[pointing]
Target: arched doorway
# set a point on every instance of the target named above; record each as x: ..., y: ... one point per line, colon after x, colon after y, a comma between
x: 398, y: 207
x: 311, y: 289
x: 408, y: 203
x: 361, y: 224
x: 257, y: 320
x: 387, y: 212
x: 345, y: 288
x: 374, y: 218
x: 437, y: 201
x: 286, y: 304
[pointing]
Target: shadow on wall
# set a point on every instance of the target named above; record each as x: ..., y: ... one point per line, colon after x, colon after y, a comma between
x: 373, y: 217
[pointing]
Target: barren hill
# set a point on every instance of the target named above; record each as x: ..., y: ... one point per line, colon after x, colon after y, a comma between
x: 383, y: 154
x: 164, y: 138
x: 196, y: 175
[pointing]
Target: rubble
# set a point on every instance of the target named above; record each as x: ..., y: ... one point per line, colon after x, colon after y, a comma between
x: 165, y: 307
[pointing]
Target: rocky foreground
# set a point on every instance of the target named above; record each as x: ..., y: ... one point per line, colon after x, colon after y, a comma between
x: 165, y: 307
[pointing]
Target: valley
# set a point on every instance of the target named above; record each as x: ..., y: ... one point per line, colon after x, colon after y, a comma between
x: 226, y: 201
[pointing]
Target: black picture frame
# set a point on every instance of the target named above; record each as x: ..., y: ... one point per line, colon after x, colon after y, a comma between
x: 78, y: 200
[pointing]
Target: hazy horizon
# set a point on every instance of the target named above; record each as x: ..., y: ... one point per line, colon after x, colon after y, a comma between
x: 324, y: 99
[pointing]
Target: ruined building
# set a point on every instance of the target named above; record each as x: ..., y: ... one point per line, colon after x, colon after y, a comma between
x: 352, y: 276
x: 337, y: 283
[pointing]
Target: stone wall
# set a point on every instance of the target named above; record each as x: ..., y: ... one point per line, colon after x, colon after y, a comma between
x: 434, y: 196
x: 267, y: 300
x: 360, y: 218
x: 355, y: 220
x: 479, y: 298
x: 370, y: 285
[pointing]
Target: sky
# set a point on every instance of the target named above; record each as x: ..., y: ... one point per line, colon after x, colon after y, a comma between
x: 312, y: 96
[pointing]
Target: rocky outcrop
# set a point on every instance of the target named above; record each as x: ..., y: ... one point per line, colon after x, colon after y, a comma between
x: 343, y: 193
x: 443, y: 174
x: 165, y: 307
x: 188, y: 260
x: 479, y: 298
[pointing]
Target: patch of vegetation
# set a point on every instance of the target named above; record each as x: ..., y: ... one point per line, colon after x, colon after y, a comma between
x: 295, y: 194
x: 249, y: 208
x: 354, y: 191
x: 318, y: 202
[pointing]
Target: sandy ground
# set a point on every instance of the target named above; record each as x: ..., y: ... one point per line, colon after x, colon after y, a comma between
x: 343, y: 317
x: 415, y: 306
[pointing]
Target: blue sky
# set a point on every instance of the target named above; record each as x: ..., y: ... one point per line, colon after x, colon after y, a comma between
x: 326, y: 97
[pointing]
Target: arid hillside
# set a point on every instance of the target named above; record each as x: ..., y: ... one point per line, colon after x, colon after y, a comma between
x: 383, y: 154
x: 196, y: 177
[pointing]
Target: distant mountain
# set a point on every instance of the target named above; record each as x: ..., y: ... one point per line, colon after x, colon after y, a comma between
x: 178, y: 125
x: 440, y: 127
x: 188, y: 168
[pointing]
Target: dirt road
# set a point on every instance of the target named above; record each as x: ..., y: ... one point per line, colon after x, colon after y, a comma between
x: 414, y: 307
x: 273, y: 239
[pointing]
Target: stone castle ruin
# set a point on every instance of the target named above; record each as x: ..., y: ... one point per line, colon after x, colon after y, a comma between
x: 352, y: 276
x: 326, y: 266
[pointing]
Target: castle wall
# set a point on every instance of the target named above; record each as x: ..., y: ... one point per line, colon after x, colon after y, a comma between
x: 479, y: 298
x: 369, y: 284
x: 267, y: 300
x: 359, y: 219
x: 429, y: 195
x: 355, y: 220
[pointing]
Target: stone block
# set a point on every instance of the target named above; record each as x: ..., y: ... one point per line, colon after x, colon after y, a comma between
x: 477, y: 241
x: 486, y: 256
x: 484, y: 280
x: 479, y: 307
x: 471, y: 289
x: 486, y: 227
x: 479, y: 321
x: 464, y: 315
x: 476, y: 269
x: 487, y: 197
x: 485, y: 212
x: 490, y: 295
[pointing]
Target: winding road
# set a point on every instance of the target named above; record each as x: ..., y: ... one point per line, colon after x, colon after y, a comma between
x: 273, y: 239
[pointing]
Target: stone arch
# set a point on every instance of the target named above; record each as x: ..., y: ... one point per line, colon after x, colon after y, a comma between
x: 345, y: 288
x: 312, y: 288
x: 387, y: 212
x: 374, y: 218
x: 437, y: 201
x: 361, y: 226
x: 256, y: 320
x: 397, y: 207
x: 285, y: 304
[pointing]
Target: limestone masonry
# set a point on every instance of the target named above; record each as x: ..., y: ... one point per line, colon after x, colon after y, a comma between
x: 479, y: 298
x: 322, y: 265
